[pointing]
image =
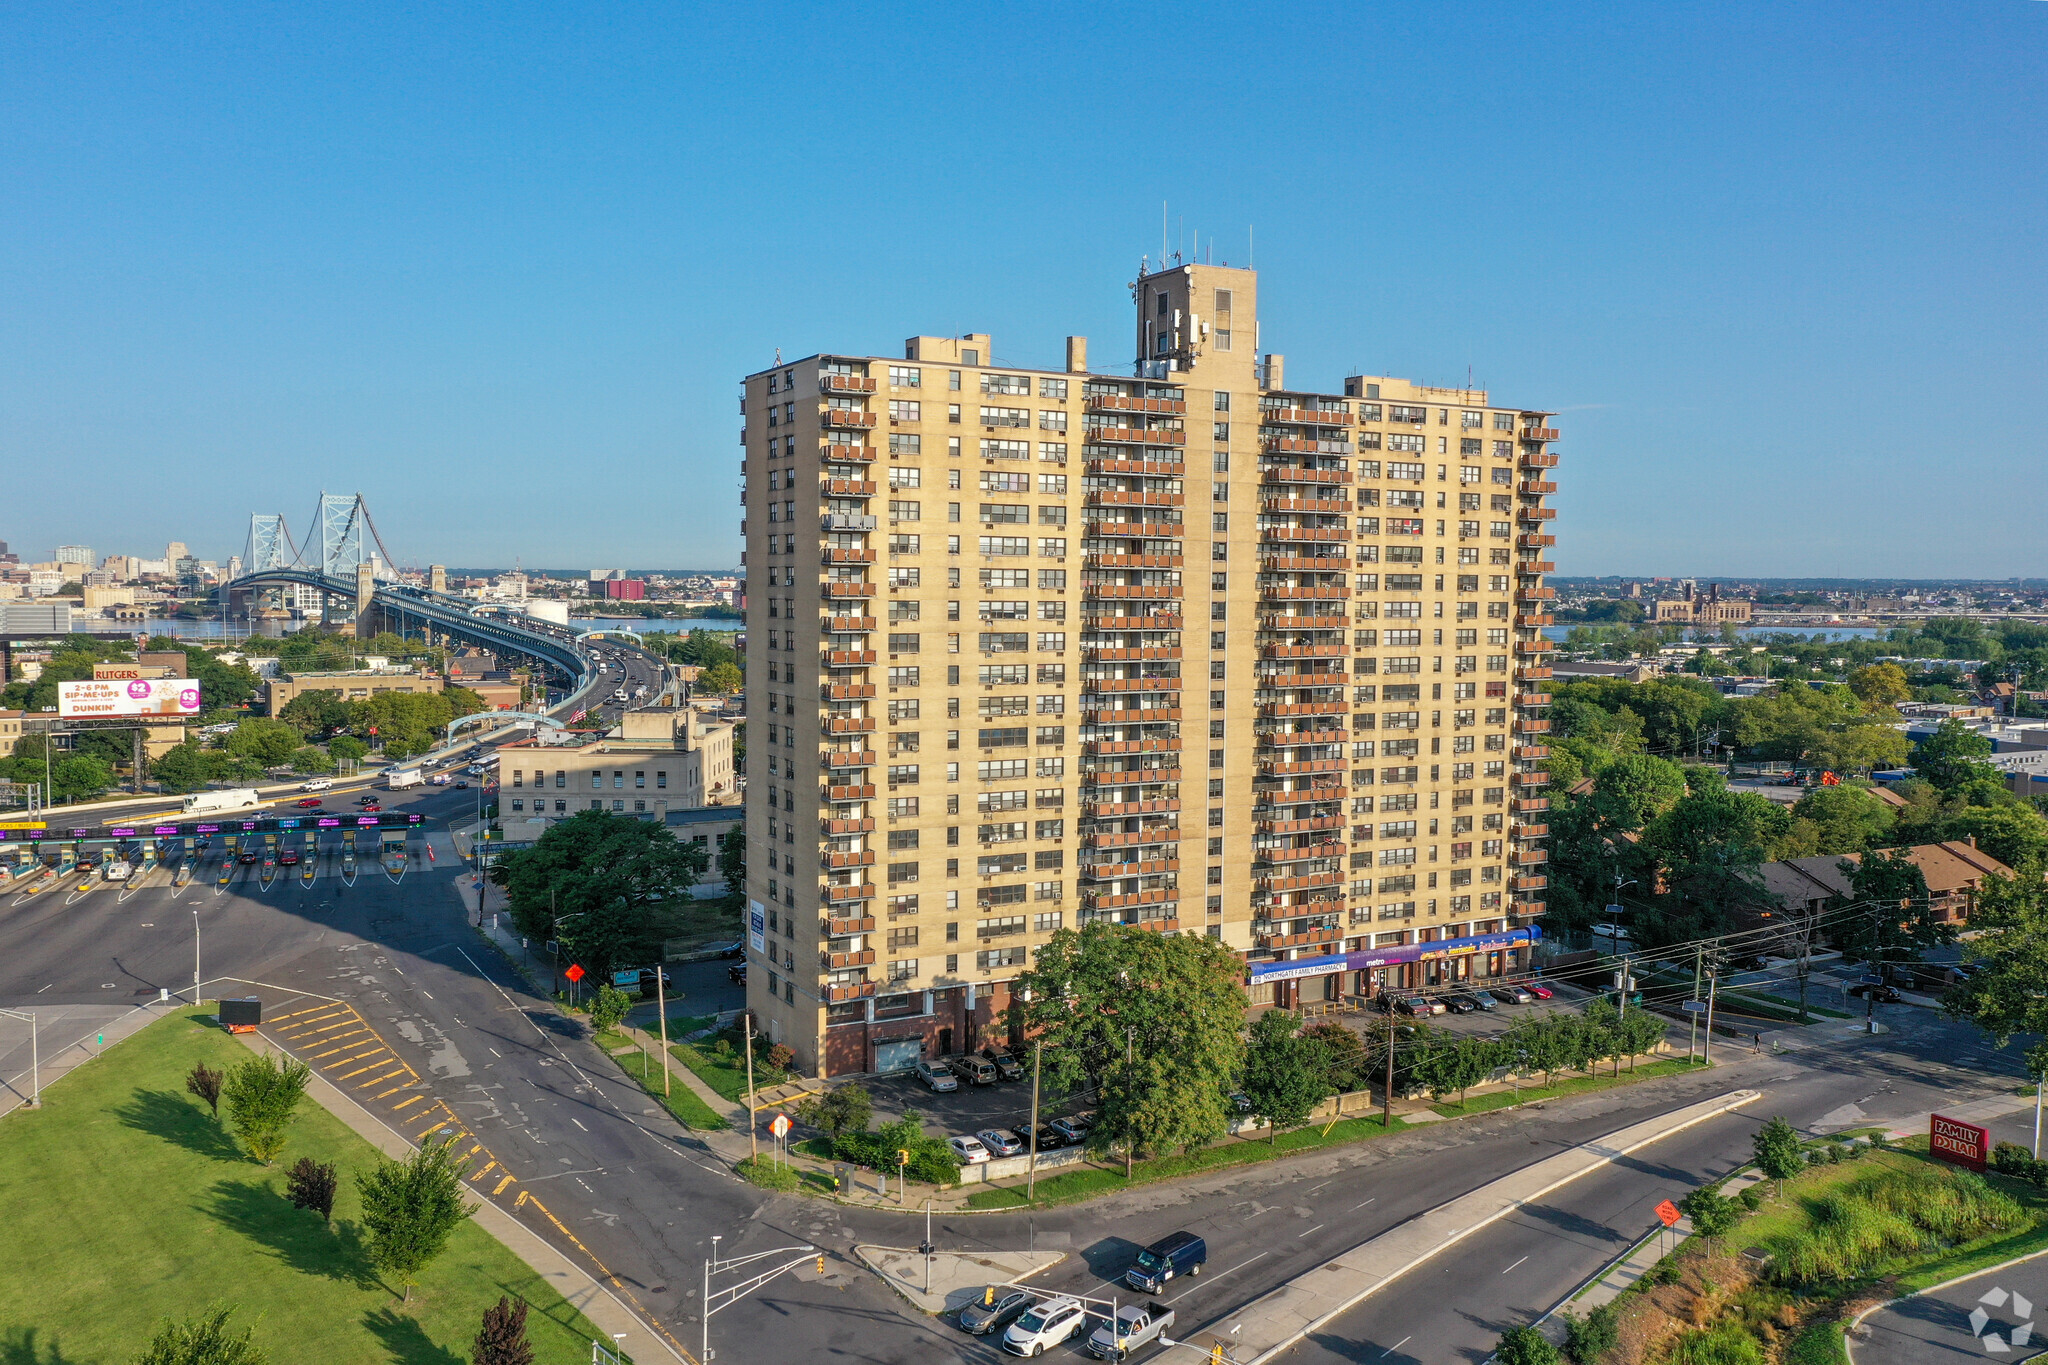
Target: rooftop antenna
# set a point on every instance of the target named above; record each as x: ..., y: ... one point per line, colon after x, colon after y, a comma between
x: 1177, y: 253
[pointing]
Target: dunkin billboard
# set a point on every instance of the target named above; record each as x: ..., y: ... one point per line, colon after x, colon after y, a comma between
x: 1965, y: 1144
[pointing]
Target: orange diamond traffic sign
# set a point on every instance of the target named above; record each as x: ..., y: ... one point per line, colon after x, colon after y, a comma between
x: 575, y: 972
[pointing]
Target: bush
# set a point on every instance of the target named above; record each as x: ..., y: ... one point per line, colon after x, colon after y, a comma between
x: 1587, y: 1339
x: 1725, y: 1343
x: 931, y: 1160
x: 1751, y: 1197
x: 1856, y: 1230
x: 1819, y: 1343
x: 1524, y: 1346
x: 842, y: 1109
x: 770, y: 1175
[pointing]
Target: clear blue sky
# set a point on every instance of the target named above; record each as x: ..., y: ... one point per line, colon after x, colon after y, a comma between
x: 1779, y: 266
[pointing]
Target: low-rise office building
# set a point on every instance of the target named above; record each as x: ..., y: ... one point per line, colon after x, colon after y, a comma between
x: 665, y: 758
x: 353, y: 685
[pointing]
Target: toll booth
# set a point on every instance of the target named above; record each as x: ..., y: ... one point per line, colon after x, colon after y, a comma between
x: 67, y: 857
x: 392, y: 845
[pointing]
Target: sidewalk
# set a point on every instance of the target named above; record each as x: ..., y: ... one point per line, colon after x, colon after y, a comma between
x: 567, y: 1278
x: 65, y: 1037
x: 1268, y: 1326
x: 956, y: 1279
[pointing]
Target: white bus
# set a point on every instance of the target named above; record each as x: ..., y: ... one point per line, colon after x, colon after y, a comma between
x: 207, y: 803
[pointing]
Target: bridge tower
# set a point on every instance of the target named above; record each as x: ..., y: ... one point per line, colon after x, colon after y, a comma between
x: 366, y: 588
x: 437, y: 577
x: 342, y: 520
x: 267, y: 541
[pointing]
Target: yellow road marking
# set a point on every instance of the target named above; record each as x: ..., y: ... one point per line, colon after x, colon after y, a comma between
x: 350, y: 1075
x: 392, y: 1091
x: 499, y: 1188
x: 484, y: 1170
x: 414, y: 1100
x: 357, y: 1058
x: 376, y: 1080
x: 342, y: 1047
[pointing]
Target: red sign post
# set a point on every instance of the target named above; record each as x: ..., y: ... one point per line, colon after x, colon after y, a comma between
x: 1952, y: 1140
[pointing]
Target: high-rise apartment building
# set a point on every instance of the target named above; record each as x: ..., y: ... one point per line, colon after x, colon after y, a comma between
x: 1182, y: 647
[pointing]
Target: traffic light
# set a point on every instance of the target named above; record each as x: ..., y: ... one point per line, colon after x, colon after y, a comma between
x: 988, y: 1297
x: 821, y: 1263
x: 1216, y: 1354
x: 902, y: 1156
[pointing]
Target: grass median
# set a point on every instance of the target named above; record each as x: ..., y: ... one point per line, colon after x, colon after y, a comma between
x: 143, y: 1207
x: 1577, y: 1085
x: 681, y: 1101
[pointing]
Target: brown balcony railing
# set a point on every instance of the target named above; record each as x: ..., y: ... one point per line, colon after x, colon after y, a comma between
x: 1539, y: 433
x: 843, y: 926
x: 841, y: 453
x: 854, y: 791
x: 848, y: 417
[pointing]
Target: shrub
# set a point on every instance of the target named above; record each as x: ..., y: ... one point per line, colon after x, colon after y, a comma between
x: 1524, y: 1346
x: 1751, y: 1197
x: 770, y: 1175
x: 842, y: 1109
x: 781, y: 1056
x: 205, y: 1082
x: 1587, y: 1339
x: 1777, y: 1149
x: 310, y: 1185
x: 204, y: 1340
x: 1856, y: 1230
x: 1725, y: 1343
x: 261, y: 1097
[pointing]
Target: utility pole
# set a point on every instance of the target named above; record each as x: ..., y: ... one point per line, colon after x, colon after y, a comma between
x: 1129, y: 1139
x: 1387, y: 1096
x: 2038, y: 1080
x: 661, y: 1016
x: 753, y: 1129
x: 1031, y: 1175
x: 1707, y: 1043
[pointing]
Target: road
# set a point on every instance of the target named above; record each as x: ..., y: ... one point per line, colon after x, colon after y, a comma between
x: 431, y: 1032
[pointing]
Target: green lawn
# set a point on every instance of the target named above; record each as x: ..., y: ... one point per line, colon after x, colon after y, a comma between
x: 1578, y: 1085
x: 682, y: 1101
x: 1071, y: 1186
x: 726, y: 1075
x: 141, y: 1206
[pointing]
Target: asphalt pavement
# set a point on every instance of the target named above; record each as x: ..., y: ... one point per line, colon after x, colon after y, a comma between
x: 584, y: 1160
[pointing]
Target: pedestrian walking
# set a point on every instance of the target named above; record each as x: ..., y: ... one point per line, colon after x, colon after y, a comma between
x: 1756, y: 1043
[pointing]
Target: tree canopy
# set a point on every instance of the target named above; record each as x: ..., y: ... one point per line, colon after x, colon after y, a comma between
x: 598, y: 882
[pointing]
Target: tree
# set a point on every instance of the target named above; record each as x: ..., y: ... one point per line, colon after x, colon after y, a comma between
x: 502, y: 1338
x: 1345, y: 1064
x: 347, y: 748
x: 311, y: 1184
x: 1711, y: 1214
x: 411, y: 1208
x: 1859, y: 747
x: 2008, y: 993
x: 732, y: 860
x: 1893, y: 919
x: 262, y: 1094
x: 1286, y: 1073
x: 181, y: 768
x: 1459, y: 1064
x: 1524, y: 1346
x: 204, y: 1340
x: 205, y: 1082
x: 311, y: 760
x: 1838, y: 820
x: 1880, y: 686
x: 2016, y: 835
x: 1710, y: 846
x: 316, y: 712
x: 608, y: 1007
x: 267, y: 742
x: 1154, y: 1020
x: 1593, y: 1336
x: 1953, y: 756
x: 721, y: 679
x: 596, y: 881
x: 79, y: 777
x: 843, y: 1109
x: 1776, y: 1150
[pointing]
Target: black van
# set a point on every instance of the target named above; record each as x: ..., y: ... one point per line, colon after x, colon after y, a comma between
x: 1180, y: 1253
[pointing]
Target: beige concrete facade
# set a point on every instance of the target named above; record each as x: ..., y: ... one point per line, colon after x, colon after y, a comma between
x: 666, y: 759
x: 353, y: 685
x: 1191, y: 649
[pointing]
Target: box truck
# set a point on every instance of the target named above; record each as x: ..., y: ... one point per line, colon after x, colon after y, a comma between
x: 207, y: 803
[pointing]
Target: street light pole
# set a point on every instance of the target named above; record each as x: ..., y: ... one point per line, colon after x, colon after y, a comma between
x: 1031, y: 1174
x: 35, y: 1058
x: 195, y: 955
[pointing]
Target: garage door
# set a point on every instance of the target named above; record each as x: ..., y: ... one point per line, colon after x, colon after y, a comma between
x: 900, y: 1055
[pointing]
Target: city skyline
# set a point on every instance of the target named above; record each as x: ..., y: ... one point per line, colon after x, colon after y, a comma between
x: 495, y: 275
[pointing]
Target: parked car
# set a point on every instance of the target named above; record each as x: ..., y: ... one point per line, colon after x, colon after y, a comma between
x: 1885, y: 995
x: 1415, y: 1007
x: 1478, y: 1000
x: 936, y: 1078
x: 968, y: 1149
x: 1008, y: 1068
x: 737, y: 974
x: 1136, y: 1325
x: 995, y: 1310
x: 1176, y: 1254
x: 1073, y: 1130
x: 1042, y: 1325
x: 1049, y: 1138
x: 1538, y: 989
x: 1512, y: 995
x: 1456, y: 1004
x: 974, y: 1070
x: 1001, y: 1142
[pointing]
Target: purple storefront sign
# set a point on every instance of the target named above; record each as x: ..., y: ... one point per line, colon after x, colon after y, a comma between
x: 1370, y: 958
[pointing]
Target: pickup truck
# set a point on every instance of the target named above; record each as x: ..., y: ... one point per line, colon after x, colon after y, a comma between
x: 1136, y: 1325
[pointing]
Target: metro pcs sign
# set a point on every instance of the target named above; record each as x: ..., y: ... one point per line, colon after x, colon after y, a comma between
x: 1965, y: 1144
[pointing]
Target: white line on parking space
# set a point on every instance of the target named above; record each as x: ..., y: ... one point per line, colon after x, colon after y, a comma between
x: 1513, y: 1266
x: 578, y: 1122
x: 1395, y: 1347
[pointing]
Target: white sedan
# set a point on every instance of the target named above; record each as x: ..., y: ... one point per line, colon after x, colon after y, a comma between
x: 968, y: 1149
x: 1046, y: 1324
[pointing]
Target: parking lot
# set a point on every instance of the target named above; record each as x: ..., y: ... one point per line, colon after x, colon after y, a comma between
x: 971, y: 1108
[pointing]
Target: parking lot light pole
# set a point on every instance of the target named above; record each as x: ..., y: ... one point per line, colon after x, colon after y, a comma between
x: 35, y: 1058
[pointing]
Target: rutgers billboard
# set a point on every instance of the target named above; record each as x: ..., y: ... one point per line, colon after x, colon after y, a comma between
x: 105, y: 698
x: 1965, y: 1144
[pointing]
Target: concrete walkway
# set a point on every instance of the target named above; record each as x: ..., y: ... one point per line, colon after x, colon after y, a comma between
x: 1267, y: 1327
x: 570, y: 1280
x: 956, y: 1280
x: 65, y: 1036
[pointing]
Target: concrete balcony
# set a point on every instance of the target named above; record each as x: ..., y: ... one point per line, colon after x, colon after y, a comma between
x: 1299, y: 473
x: 1300, y: 853
x: 846, y: 691
x: 849, y: 725
x: 1534, y: 620
x: 845, y: 927
x: 849, y: 590
x: 846, y: 488
x: 1157, y: 467
x: 1274, y: 710
x: 862, y: 990
x: 1294, y: 739
x: 1312, y: 417
x: 1529, y: 857
x: 1530, y: 779
x: 1531, y: 595
x: 1325, y: 534
x: 835, y: 452
x: 1534, y: 646
x: 1292, y: 621
x: 1303, y: 445
x: 1142, y: 436
x: 1138, y: 715
x: 1162, y: 621
x: 1158, y: 924
x: 1116, y: 809
x: 863, y: 825
x: 1108, y: 592
x: 1530, y: 883
x: 862, y: 858
x: 1534, y: 541
x: 1109, y: 871
x: 1535, y: 488
x: 1100, y: 523
x: 1531, y: 805
x: 854, y: 791
x: 1531, y: 673
x: 1532, y: 699
x: 848, y: 417
x: 1529, y: 566
x: 1525, y: 831
x: 1532, y: 727
x: 1164, y: 834
x: 1118, y: 653
x: 858, y: 891
x: 1118, y: 402
x: 847, y: 625
x: 1289, y: 506
x: 1103, y: 747
x: 1162, y: 896
x: 1277, y: 767
x: 848, y: 758
x: 1277, y: 885
x: 847, y: 521
x: 1535, y: 513
x: 1309, y: 826
x: 1531, y: 753
x: 1322, y: 594
x: 1286, y: 680
x: 1333, y: 651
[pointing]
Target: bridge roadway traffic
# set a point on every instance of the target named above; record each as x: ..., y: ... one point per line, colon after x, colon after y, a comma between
x: 586, y: 1161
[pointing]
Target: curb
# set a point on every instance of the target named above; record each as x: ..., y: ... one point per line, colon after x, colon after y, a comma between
x: 1855, y: 1324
